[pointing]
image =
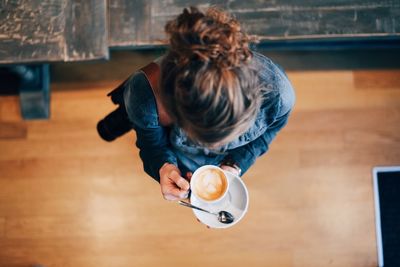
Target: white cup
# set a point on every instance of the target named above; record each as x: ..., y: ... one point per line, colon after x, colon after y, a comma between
x: 209, y: 184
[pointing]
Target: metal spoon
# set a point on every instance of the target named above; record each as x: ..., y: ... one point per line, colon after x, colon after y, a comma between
x: 222, y: 216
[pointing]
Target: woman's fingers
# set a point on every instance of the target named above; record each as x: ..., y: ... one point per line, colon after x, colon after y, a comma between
x: 170, y: 197
x: 189, y: 175
x: 177, y: 188
x: 173, y: 185
x: 174, y: 193
x: 230, y: 169
x: 181, y: 182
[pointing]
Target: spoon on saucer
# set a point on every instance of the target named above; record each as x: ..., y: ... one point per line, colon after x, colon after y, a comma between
x: 222, y: 216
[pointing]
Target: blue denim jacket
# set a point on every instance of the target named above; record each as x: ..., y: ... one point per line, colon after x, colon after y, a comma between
x: 159, y: 144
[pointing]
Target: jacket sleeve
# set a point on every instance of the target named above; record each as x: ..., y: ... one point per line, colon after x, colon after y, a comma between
x: 246, y: 155
x: 151, y: 138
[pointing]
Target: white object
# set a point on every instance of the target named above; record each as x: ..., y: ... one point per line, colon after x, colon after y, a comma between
x: 236, y: 202
x: 375, y: 172
x: 207, y: 183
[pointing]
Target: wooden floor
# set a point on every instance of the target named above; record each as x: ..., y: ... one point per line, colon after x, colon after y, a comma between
x: 68, y: 199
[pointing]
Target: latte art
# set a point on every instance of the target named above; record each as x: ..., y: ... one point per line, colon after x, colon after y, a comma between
x: 210, y: 184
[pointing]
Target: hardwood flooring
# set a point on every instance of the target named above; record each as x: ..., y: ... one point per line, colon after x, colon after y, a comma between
x: 68, y: 199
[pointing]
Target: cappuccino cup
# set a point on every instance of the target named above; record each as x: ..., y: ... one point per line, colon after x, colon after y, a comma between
x: 209, y: 184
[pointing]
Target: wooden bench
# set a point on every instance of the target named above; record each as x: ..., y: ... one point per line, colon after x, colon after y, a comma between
x: 45, y: 31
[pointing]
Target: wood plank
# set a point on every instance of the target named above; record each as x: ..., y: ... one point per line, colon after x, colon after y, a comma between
x: 333, y: 257
x: 53, y: 168
x: 378, y: 79
x: 123, y: 64
x: 10, y: 109
x: 13, y: 130
x: 280, y: 20
x: 86, y: 31
x: 129, y: 22
x: 101, y: 224
x: 371, y: 156
x: 341, y: 129
x: 327, y: 90
x: 2, y: 229
x: 70, y: 199
x: 309, y: 22
x: 311, y: 19
x: 114, y: 184
x: 309, y: 228
x: 303, y: 139
x: 106, y: 192
x: 62, y: 30
x: 123, y: 252
x: 25, y: 36
x: 344, y: 119
x: 310, y: 188
x: 74, y: 148
x: 380, y: 138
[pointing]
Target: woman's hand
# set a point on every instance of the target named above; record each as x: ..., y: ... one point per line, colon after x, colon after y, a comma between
x: 230, y: 169
x: 173, y: 185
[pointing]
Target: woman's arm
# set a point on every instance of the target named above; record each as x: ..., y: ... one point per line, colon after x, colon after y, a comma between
x: 246, y: 155
x: 152, y: 138
x: 159, y: 161
x: 154, y: 149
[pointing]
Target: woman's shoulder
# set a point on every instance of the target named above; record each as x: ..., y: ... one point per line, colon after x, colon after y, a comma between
x: 140, y: 102
x: 279, y: 92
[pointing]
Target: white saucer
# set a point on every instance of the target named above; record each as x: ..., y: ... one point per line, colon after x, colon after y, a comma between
x: 236, y: 202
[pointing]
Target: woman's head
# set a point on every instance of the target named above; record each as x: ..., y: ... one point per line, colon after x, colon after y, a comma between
x: 209, y: 86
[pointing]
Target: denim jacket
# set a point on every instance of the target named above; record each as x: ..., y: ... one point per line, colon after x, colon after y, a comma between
x: 159, y: 144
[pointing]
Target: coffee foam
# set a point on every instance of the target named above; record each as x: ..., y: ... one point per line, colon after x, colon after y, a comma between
x: 211, y: 184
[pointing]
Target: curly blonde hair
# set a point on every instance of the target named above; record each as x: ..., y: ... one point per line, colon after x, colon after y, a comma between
x: 208, y: 84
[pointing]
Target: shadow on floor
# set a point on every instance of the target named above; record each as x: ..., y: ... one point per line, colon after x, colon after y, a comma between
x: 124, y: 62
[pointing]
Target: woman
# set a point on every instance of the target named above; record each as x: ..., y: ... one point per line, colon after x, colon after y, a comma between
x: 223, y: 103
